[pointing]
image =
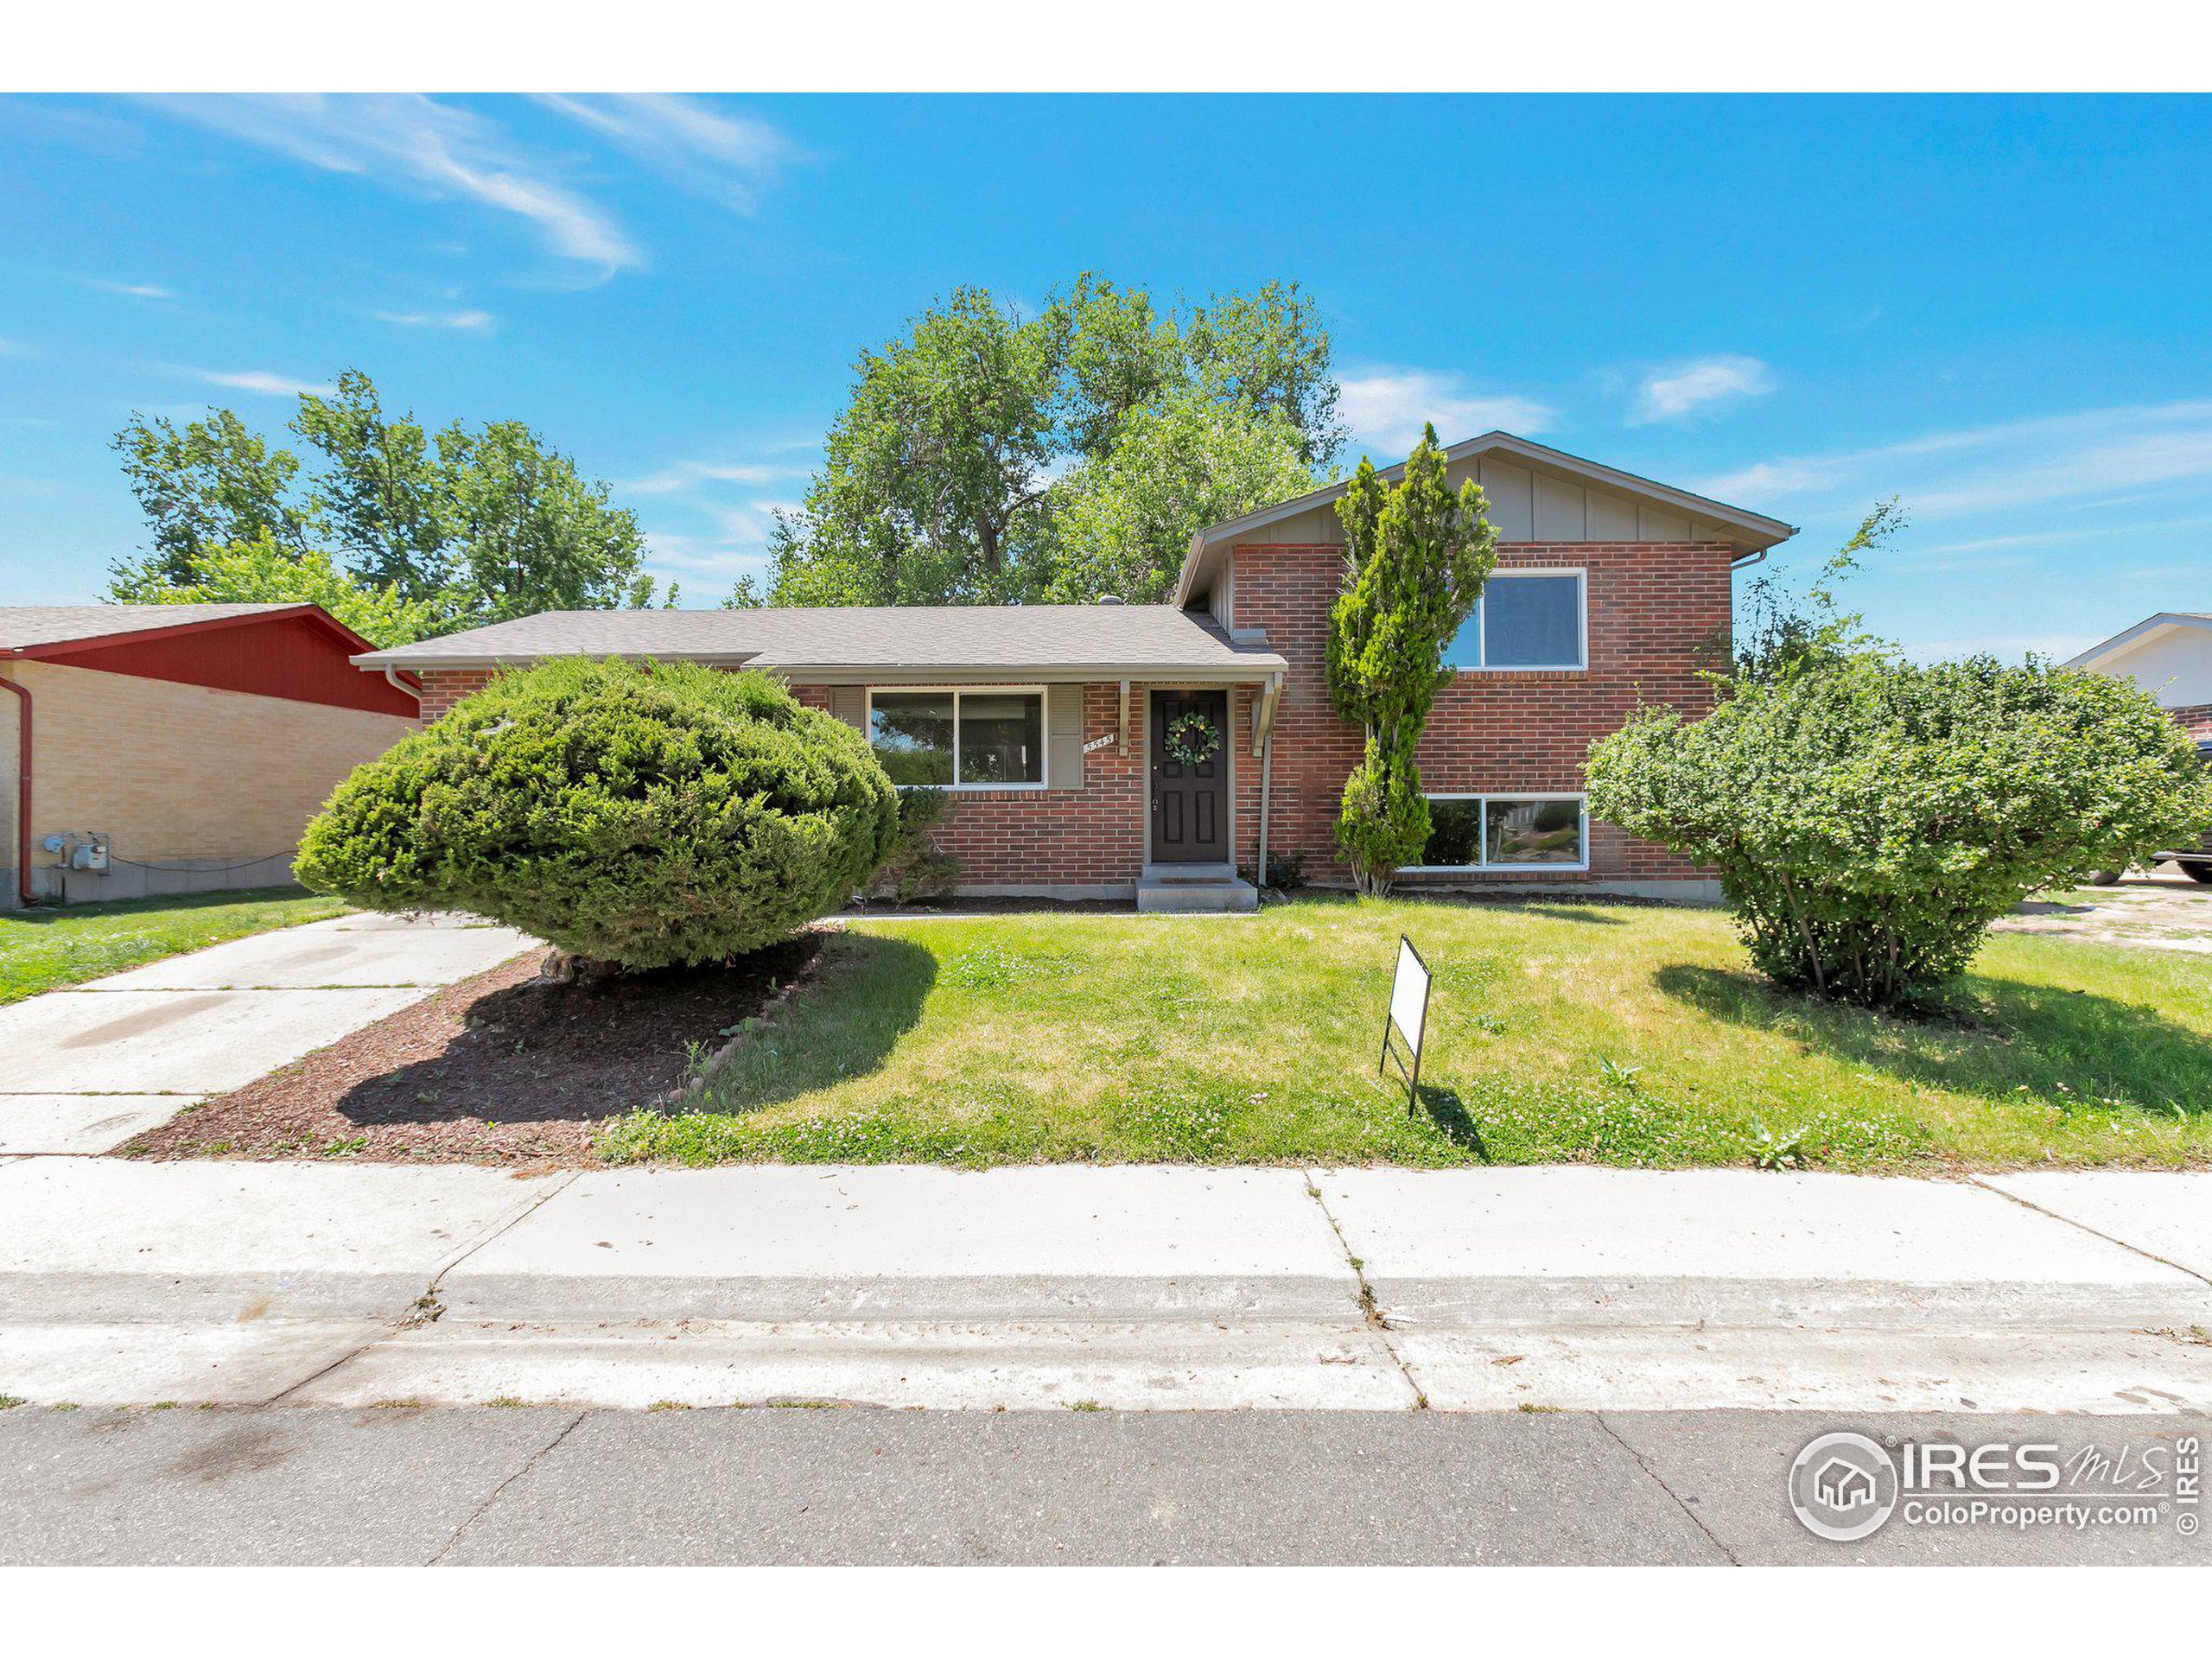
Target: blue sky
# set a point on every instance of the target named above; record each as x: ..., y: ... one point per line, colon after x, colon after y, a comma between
x: 1996, y: 308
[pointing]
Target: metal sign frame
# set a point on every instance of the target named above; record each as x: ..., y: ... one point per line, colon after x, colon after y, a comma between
x: 1412, y: 1039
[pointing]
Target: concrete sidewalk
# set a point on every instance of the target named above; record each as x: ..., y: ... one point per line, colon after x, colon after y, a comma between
x: 83, y: 1069
x: 1136, y: 1288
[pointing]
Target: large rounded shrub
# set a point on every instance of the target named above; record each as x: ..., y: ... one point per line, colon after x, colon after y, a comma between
x: 641, y: 814
x: 1870, y: 819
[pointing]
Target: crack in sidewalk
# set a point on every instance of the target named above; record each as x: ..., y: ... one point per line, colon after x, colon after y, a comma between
x: 1368, y: 1305
x: 1660, y: 1481
x: 2084, y: 1226
x: 426, y: 1308
x: 492, y: 1496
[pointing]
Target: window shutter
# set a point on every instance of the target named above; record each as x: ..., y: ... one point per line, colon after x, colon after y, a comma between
x: 1064, y: 736
x: 849, y: 704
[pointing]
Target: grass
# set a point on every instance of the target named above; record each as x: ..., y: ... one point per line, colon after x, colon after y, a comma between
x: 42, y: 949
x: 1575, y: 1031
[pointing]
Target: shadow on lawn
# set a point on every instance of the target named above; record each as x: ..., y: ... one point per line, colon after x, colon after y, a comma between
x: 1574, y: 913
x: 1444, y: 1108
x: 865, y: 996
x: 2054, y: 1041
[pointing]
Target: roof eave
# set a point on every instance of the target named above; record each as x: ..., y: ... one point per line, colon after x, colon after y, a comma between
x: 312, y: 612
x: 1253, y: 665
x: 2142, y: 633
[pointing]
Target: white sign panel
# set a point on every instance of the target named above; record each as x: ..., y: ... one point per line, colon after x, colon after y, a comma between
x: 1409, y: 996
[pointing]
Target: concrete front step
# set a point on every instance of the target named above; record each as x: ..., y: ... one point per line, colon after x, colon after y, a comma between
x: 1190, y: 895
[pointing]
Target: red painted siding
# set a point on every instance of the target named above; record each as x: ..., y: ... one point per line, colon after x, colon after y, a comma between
x: 294, y: 657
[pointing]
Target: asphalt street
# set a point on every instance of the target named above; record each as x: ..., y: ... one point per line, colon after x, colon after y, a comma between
x: 826, y: 1484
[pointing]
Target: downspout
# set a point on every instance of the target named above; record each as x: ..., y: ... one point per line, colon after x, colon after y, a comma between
x: 1267, y: 769
x: 23, y: 790
x: 1266, y: 777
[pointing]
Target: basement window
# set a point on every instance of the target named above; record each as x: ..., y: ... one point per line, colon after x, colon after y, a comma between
x: 1505, y: 832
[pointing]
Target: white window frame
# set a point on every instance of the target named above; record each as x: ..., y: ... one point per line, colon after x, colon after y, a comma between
x: 1581, y: 624
x: 1044, y: 729
x: 1482, y: 833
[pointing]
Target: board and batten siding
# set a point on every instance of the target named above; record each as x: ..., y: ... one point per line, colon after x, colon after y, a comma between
x: 1526, y: 505
x: 1063, y: 727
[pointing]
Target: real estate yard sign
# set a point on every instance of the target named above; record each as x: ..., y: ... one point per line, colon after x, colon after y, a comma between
x: 1408, y: 1016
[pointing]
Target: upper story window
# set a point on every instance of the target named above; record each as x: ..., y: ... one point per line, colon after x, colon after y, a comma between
x: 983, y: 739
x: 1525, y: 619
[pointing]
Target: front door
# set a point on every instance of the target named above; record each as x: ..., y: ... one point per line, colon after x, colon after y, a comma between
x: 1190, y: 800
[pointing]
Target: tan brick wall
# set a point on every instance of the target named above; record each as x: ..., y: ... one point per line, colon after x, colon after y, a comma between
x: 180, y: 772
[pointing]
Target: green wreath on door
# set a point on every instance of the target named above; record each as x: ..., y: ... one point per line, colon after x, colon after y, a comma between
x: 1191, y: 739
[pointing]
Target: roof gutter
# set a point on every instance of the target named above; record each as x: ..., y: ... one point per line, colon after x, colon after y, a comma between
x: 22, y: 784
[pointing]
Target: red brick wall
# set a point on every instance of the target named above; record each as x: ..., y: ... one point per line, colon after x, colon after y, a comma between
x: 444, y: 686
x: 1095, y: 836
x: 2196, y: 719
x: 1652, y: 607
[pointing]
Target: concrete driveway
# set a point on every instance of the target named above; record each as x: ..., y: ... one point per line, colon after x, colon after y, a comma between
x: 2159, y: 909
x: 84, y: 1070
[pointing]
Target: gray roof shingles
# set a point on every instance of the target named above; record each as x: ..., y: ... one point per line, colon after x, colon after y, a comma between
x: 1044, y: 638
x: 24, y: 625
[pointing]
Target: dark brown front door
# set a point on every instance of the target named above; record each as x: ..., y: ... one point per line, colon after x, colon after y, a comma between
x: 1190, y: 804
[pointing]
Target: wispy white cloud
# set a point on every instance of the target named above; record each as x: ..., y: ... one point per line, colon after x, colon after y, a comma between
x: 466, y: 321
x: 2057, y: 646
x: 2094, y: 457
x: 133, y: 291
x: 707, y: 150
x: 683, y: 477
x: 692, y: 556
x: 409, y: 143
x: 260, y: 381
x: 1385, y: 408
x: 1680, y: 390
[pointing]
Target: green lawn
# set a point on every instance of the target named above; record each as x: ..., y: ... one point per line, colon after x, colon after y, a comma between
x: 42, y: 949
x: 1582, y: 1032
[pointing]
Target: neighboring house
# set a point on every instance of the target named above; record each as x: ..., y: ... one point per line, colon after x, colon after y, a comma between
x: 176, y: 748
x: 2170, y: 656
x: 1054, y: 724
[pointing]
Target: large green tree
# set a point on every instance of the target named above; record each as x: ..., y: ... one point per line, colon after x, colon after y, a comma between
x: 385, y: 495
x: 1416, y: 556
x: 986, y: 455
x: 1120, y: 524
x: 534, y: 534
x: 262, y: 572
x: 210, y: 483
x: 456, y: 528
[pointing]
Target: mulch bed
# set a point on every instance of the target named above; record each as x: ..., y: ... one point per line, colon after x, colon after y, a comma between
x: 506, y: 1068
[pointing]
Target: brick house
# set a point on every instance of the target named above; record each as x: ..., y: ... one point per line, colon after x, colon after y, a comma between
x: 1110, y: 750
x: 176, y: 748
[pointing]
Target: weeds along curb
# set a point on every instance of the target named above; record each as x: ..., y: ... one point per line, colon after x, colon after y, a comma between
x: 687, y: 1091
